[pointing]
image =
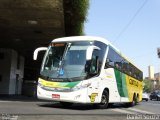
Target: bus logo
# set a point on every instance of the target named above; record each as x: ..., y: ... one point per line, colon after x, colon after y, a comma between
x: 133, y: 82
x: 93, y: 97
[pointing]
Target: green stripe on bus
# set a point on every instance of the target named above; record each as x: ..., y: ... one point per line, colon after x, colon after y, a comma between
x: 121, y: 83
x: 72, y: 84
x: 124, y: 85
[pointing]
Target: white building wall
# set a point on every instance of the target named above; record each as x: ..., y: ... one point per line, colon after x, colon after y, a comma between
x: 151, y: 72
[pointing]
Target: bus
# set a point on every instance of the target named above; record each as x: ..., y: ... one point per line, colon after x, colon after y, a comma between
x: 87, y: 69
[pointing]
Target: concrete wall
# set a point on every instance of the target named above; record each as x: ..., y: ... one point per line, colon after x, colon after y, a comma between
x: 5, y: 60
x: 11, y: 72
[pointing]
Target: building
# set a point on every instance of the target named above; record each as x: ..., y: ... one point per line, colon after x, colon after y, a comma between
x: 154, y: 77
x: 11, y: 74
x: 151, y: 72
x: 157, y: 76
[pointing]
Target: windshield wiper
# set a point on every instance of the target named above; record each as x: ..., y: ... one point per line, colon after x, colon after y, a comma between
x: 61, y: 63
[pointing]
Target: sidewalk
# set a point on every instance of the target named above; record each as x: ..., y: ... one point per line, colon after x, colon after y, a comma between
x: 18, y: 98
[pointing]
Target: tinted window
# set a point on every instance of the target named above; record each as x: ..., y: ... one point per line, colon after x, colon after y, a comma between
x: 114, y: 59
x: 102, y: 51
x: 117, y: 61
x: 125, y: 66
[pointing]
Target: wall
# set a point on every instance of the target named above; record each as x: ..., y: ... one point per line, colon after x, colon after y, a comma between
x: 11, y: 72
x: 5, y: 60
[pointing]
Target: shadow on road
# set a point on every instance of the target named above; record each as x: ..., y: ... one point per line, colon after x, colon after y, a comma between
x: 20, y: 98
x: 81, y: 106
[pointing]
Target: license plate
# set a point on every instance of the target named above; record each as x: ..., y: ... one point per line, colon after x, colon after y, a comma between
x: 56, y: 96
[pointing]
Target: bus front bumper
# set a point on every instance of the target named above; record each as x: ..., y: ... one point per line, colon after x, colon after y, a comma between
x: 77, y: 96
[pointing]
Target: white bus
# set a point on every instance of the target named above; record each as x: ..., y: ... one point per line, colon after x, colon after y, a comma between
x: 85, y: 69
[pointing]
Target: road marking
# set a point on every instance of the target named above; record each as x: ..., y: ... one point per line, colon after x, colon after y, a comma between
x: 122, y: 111
x: 141, y: 111
x: 131, y: 111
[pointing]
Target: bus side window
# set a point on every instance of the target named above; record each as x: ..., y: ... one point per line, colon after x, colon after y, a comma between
x: 125, y: 66
x: 113, y: 60
x: 118, y: 61
x: 109, y: 63
x: 130, y: 69
x: 94, y: 65
x: 110, y: 59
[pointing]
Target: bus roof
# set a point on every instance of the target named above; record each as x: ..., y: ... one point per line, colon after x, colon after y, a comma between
x: 91, y: 38
x: 84, y: 38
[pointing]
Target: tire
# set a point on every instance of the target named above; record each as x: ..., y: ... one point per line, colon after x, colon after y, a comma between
x: 137, y: 99
x: 134, y: 102
x: 66, y: 104
x: 158, y: 98
x: 104, y: 100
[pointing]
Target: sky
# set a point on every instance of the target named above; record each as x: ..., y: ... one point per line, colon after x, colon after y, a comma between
x: 132, y: 26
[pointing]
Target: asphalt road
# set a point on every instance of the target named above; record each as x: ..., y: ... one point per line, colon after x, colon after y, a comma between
x: 31, y: 109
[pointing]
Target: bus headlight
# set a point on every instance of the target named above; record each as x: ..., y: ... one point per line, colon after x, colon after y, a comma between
x: 63, y: 89
x: 81, y: 87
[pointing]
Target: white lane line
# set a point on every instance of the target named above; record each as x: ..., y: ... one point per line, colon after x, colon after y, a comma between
x: 122, y: 111
x: 131, y: 111
x: 141, y: 111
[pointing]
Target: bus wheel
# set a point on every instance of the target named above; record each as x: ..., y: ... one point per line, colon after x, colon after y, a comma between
x: 134, y: 102
x: 104, y: 100
x: 66, y: 104
x: 137, y: 100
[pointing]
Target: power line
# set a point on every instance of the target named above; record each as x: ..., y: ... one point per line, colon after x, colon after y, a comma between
x: 131, y: 20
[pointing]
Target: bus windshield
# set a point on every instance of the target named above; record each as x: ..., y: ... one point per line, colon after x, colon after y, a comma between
x: 65, y: 61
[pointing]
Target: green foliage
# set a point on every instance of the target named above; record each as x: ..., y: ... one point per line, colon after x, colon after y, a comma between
x: 75, y: 13
x: 148, y: 87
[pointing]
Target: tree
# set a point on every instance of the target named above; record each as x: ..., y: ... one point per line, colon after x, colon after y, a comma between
x: 147, y: 86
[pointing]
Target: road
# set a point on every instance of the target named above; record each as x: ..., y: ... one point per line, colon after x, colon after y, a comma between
x: 27, y: 109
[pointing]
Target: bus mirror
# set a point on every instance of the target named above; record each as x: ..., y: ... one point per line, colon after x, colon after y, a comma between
x: 90, y: 51
x: 94, y: 65
x: 36, y: 52
x: 87, y: 65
